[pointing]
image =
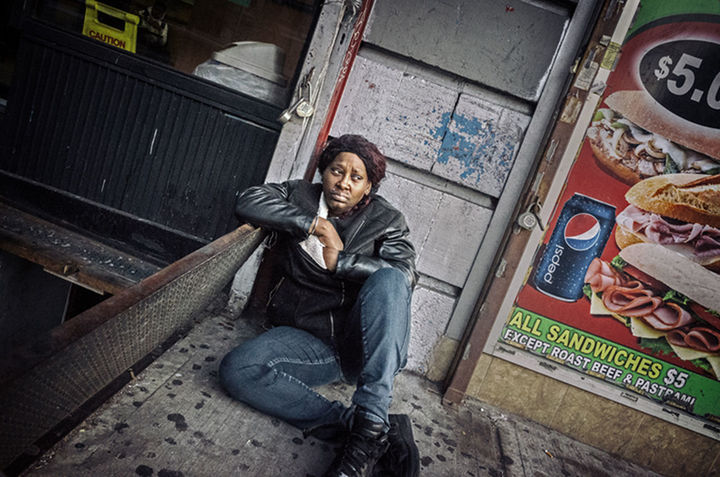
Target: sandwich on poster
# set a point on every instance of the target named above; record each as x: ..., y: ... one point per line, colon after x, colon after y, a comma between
x: 632, y: 139
x: 663, y: 284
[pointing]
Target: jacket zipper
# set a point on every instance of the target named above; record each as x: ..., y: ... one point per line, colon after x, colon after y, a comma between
x: 274, y: 291
x: 332, y: 318
x: 355, y: 232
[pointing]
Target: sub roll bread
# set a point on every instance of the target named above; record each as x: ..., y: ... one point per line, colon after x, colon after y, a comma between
x: 678, y: 211
x: 632, y: 140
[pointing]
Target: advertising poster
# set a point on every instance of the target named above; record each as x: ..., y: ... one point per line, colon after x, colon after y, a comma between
x: 625, y: 286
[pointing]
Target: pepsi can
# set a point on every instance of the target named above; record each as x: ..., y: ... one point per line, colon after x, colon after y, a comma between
x: 581, y: 232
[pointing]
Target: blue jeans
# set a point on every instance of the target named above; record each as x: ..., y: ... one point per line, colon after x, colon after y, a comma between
x: 275, y: 371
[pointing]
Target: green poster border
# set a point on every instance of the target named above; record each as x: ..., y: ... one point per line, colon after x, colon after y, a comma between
x: 627, y: 368
x: 673, y: 10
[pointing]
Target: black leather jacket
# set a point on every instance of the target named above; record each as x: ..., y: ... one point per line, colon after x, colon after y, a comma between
x: 308, y: 296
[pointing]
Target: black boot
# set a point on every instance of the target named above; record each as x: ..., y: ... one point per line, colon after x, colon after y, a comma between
x: 365, y: 444
x: 334, y: 433
x: 402, y: 458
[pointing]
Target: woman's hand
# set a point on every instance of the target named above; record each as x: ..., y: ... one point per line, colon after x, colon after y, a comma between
x: 325, y: 231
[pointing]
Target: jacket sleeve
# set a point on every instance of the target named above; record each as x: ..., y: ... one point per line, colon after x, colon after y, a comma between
x: 393, y: 249
x: 268, y: 206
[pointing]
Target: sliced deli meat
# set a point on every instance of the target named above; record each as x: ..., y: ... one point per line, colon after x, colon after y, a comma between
x: 663, y: 232
x: 633, y: 219
x: 703, y: 239
x: 708, y: 243
x: 700, y: 338
x: 634, y: 300
x: 600, y: 275
x: 631, y: 299
x: 668, y: 316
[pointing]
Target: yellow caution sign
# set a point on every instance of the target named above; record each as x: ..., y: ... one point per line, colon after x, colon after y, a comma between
x: 110, y: 25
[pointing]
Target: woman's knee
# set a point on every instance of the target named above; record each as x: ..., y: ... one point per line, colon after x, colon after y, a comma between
x: 240, y: 372
x: 389, y: 282
x: 384, y: 304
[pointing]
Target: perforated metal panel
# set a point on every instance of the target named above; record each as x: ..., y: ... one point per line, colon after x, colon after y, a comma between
x: 88, y: 352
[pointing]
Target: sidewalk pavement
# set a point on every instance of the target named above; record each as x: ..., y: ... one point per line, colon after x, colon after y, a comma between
x: 174, y: 420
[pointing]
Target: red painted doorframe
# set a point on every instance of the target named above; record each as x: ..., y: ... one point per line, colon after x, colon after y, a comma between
x: 348, y: 61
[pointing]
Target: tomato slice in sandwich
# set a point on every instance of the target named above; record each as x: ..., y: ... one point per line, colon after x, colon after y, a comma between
x: 656, y: 285
x: 705, y: 315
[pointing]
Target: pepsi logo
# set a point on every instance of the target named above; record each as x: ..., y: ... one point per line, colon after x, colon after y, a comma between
x: 582, y: 232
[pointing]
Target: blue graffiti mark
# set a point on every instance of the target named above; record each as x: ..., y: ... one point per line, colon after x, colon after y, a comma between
x: 471, y: 142
x: 439, y: 132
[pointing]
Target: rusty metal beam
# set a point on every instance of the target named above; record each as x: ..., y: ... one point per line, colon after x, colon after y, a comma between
x: 70, y: 255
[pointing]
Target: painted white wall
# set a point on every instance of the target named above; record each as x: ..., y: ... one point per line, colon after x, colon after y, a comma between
x: 450, y: 151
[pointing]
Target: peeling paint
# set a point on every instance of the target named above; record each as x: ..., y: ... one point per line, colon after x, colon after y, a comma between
x: 439, y: 132
x: 470, y: 140
x: 479, y: 145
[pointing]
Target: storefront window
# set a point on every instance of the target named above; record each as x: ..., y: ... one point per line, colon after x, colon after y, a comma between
x: 254, y: 46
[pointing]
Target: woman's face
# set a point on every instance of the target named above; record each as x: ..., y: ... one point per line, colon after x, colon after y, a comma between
x: 345, y: 183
